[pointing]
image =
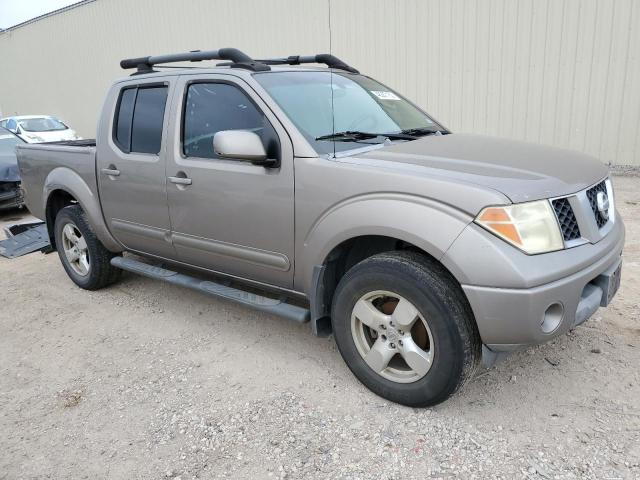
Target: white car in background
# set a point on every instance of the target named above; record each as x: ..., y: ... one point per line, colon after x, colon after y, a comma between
x: 39, y: 128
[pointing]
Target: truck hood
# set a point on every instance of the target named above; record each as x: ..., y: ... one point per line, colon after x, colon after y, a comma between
x: 521, y: 171
x: 9, y: 168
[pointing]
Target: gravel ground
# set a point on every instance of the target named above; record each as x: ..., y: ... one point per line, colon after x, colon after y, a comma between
x: 147, y: 380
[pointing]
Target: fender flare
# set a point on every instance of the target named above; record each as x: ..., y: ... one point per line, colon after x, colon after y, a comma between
x: 65, y: 179
x: 428, y: 225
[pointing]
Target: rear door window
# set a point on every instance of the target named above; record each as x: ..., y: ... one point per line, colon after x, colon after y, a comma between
x: 124, y: 116
x: 139, y: 119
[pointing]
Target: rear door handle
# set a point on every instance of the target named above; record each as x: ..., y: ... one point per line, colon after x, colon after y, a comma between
x: 180, y: 180
x: 112, y: 172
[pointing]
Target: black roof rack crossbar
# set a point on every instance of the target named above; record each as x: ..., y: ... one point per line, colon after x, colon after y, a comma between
x: 329, y: 60
x: 238, y: 59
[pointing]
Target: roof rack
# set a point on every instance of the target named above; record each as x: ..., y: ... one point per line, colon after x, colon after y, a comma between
x: 237, y: 59
x: 329, y: 60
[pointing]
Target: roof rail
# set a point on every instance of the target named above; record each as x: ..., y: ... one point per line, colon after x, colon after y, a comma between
x: 329, y: 60
x: 238, y: 60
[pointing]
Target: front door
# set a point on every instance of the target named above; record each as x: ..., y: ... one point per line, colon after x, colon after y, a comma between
x: 228, y: 215
x: 131, y: 170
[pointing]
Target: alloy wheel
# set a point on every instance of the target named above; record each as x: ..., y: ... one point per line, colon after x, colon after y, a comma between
x: 75, y: 249
x: 392, y: 336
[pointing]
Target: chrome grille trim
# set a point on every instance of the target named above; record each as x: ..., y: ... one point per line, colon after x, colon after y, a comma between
x: 591, y: 230
x: 592, y: 194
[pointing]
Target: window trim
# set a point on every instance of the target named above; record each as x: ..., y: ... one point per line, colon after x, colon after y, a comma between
x: 183, y: 111
x: 116, y: 114
x: 116, y: 117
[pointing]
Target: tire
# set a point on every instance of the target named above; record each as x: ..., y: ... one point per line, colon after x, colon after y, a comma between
x: 444, y: 329
x: 91, y: 269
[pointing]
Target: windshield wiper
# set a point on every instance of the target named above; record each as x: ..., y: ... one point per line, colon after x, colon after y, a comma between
x: 354, y: 135
x: 422, y: 131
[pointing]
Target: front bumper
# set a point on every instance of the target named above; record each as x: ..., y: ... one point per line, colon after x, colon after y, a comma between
x: 10, y: 195
x: 509, y: 318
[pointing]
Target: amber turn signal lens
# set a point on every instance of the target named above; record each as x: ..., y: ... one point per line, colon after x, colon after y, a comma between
x: 494, y: 214
x: 507, y: 231
x: 498, y: 220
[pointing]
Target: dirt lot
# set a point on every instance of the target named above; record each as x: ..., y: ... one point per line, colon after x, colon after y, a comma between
x: 147, y: 380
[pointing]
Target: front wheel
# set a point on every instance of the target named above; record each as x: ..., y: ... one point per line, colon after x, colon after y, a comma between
x: 84, y: 258
x: 405, y: 329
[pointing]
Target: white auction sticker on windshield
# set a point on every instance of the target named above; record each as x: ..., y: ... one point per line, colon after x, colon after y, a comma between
x: 385, y: 95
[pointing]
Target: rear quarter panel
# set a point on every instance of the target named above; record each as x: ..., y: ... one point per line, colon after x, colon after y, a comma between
x: 47, y: 168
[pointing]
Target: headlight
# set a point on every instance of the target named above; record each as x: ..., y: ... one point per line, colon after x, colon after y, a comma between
x: 532, y: 226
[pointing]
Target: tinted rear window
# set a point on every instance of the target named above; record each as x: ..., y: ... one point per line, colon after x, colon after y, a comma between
x: 140, y: 117
x: 146, y: 132
x: 125, y: 114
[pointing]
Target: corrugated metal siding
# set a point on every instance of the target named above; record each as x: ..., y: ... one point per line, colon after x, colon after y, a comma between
x: 63, y: 64
x: 560, y: 72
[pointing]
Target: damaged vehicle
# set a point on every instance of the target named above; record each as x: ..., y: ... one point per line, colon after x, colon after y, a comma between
x: 321, y: 195
x: 10, y: 191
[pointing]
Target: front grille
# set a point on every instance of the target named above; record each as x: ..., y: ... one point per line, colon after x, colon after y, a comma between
x: 592, y: 195
x: 566, y: 219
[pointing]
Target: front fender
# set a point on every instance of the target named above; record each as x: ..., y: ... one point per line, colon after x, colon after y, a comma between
x: 427, y: 224
x: 65, y: 179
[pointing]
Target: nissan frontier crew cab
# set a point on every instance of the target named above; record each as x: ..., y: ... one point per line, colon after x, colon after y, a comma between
x: 323, y: 196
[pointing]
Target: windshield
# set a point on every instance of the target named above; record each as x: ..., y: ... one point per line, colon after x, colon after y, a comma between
x: 358, y: 104
x: 44, y: 124
x: 8, y: 143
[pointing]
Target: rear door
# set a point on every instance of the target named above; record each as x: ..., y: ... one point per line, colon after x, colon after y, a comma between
x: 232, y: 216
x: 131, y: 161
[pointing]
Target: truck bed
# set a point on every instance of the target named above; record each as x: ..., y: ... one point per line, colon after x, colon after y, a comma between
x: 40, y: 164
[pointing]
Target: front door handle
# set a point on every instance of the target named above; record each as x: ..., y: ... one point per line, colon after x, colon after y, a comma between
x: 111, y: 171
x: 180, y: 180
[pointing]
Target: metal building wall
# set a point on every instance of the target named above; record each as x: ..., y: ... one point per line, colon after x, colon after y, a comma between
x: 63, y: 64
x: 560, y: 72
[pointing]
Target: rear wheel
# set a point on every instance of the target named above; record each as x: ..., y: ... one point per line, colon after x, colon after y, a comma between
x: 405, y: 329
x: 84, y: 258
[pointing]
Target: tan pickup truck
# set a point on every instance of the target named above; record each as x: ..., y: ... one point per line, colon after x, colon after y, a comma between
x: 321, y: 195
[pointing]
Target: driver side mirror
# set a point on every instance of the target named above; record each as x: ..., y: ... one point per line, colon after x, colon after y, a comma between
x: 241, y: 145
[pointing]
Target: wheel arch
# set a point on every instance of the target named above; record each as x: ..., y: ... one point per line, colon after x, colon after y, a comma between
x: 375, y: 225
x: 56, y: 201
x: 64, y: 187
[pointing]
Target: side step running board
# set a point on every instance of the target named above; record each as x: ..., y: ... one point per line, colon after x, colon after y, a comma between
x: 258, y: 302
